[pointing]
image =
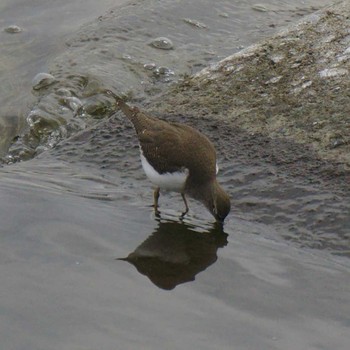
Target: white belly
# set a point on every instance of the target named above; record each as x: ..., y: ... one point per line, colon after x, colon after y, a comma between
x: 168, y: 181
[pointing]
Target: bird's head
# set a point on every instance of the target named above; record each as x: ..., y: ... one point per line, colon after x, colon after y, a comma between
x: 215, y: 199
x: 221, y: 204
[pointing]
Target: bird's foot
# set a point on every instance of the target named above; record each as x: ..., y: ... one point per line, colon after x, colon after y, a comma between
x: 157, y: 212
x: 183, y: 214
x: 186, y: 206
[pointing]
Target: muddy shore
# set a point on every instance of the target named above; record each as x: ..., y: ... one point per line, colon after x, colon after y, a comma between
x: 291, y: 91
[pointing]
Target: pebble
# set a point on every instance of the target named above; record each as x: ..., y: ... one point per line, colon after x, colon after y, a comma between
x: 162, y: 43
x: 150, y: 66
x: 260, y: 8
x: 13, y: 29
x: 194, y: 23
x: 333, y: 72
x: 277, y: 58
x: 274, y: 80
x: 165, y: 71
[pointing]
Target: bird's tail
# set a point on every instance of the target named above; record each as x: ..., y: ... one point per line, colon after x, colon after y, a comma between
x: 130, y: 112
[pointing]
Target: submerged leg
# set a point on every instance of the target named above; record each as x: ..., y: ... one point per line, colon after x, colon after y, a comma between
x: 186, y: 205
x: 155, y: 198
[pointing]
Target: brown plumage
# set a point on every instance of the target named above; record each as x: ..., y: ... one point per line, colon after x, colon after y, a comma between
x: 173, y: 147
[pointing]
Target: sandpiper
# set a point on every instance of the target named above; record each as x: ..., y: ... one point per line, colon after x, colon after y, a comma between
x: 177, y: 157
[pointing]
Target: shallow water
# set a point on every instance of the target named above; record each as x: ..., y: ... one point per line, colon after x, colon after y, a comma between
x: 81, y: 201
x: 62, y: 287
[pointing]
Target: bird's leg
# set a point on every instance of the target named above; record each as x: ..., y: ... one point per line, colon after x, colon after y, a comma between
x: 156, y: 197
x: 186, y: 205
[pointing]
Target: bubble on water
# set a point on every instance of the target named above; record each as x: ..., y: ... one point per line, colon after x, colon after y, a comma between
x: 41, y: 122
x: 32, y: 118
x: 13, y: 29
x: 163, y: 73
x: 63, y: 92
x: 73, y: 103
x: 42, y: 80
x: 19, y: 151
x: 162, y: 43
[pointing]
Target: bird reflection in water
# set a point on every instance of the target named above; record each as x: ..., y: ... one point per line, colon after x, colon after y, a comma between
x: 175, y: 253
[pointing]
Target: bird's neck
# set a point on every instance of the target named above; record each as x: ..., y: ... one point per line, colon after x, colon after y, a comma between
x: 201, y: 191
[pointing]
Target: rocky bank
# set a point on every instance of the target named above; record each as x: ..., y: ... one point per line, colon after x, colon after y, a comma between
x: 293, y: 86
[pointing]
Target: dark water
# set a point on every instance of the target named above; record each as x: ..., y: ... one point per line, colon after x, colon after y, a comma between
x: 83, y: 261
